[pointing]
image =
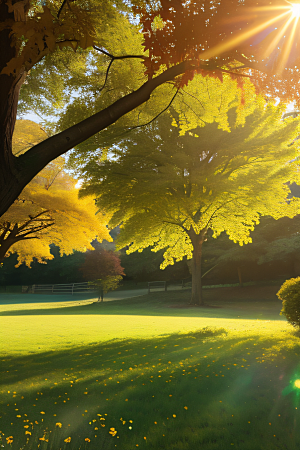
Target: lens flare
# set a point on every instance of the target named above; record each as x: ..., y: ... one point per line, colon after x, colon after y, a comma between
x: 297, y: 384
x: 295, y: 10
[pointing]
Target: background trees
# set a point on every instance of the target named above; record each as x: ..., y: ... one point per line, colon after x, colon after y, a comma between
x: 103, y: 268
x: 31, y: 32
x: 167, y: 189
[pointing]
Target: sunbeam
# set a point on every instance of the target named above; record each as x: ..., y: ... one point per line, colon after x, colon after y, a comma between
x: 241, y: 37
x: 295, y: 10
x: 280, y: 23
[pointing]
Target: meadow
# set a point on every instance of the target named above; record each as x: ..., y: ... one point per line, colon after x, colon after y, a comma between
x: 150, y: 373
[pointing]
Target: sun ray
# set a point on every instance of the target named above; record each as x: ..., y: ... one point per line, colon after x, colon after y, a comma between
x: 241, y: 37
x: 295, y: 10
x: 275, y: 41
x: 287, y: 47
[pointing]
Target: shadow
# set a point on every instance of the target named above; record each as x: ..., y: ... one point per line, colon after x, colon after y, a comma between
x: 200, y: 387
x: 219, y: 304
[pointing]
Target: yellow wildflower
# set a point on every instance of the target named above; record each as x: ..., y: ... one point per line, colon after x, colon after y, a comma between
x: 87, y: 440
x: 68, y: 439
x: 58, y: 424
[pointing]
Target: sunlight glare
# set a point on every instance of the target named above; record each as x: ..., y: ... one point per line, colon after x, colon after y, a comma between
x: 297, y: 384
x: 295, y: 10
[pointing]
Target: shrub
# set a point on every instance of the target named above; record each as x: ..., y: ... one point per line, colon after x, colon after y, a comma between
x: 289, y: 293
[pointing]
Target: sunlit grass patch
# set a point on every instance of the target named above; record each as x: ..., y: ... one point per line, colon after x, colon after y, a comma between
x: 210, y: 388
x: 105, y: 381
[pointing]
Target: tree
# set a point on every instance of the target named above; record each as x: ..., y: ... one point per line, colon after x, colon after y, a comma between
x: 49, y: 211
x: 273, y: 252
x: 167, y: 190
x: 103, y: 269
x: 180, y: 40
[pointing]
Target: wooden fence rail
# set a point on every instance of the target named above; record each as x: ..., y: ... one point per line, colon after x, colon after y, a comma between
x: 67, y: 288
x: 157, y: 284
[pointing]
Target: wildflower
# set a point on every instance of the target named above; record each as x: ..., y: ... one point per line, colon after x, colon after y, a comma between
x: 112, y: 431
x: 174, y: 415
x: 58, y: 424
x: 68, y: 439
x: 9, y: 440
x: 27, y: 432
x: 42, y: 412
x: 87, y: 440
x: 185, y: 407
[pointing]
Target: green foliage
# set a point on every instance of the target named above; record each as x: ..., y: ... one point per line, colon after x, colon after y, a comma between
x: 162, y: 184
x: 289, y: 293
x: 109, y: 283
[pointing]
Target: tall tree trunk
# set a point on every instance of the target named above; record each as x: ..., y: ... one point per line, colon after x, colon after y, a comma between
x: 100, y: 295
x: 197, y: 241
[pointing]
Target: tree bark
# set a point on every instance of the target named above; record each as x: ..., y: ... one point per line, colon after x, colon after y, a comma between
x: 17, y: 172
x: 100, y: 298
x: 197, y: 241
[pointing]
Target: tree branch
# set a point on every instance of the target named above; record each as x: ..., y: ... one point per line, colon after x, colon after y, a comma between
x: 26, y: 166
x: 154, y: 118
x: 113, y: 57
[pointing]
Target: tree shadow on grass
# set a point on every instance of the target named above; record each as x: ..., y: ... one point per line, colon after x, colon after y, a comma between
x: 173, y: 303
x: 182, y: 391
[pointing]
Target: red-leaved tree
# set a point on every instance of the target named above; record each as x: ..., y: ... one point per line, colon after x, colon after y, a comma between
x: 103, y: 269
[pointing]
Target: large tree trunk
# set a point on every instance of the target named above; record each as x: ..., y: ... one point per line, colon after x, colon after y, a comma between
x: 197, y: 241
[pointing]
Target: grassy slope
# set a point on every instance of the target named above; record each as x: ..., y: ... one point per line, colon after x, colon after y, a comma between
x: 231, y: 385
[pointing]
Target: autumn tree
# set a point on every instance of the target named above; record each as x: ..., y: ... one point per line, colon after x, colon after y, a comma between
x: 168, y: 188
x: 103, y: 269
x: 49, y: 211
x: 180, y: 39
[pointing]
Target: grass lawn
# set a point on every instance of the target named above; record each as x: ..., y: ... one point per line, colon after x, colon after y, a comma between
x: 151, y: 373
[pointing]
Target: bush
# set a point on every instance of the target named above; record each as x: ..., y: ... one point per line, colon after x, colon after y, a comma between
x: 289, y: 293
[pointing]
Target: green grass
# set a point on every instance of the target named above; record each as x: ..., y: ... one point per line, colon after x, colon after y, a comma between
x: 160, y: 376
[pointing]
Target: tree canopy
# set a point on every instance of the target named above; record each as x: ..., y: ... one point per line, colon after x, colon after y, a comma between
x: 180, y: 39
x: 49, y: 211
x: 168, y: 188
x: 103, y: 269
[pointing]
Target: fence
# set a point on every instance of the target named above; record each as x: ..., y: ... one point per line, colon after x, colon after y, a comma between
x: 68, y: 288
x: 157, y: 284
